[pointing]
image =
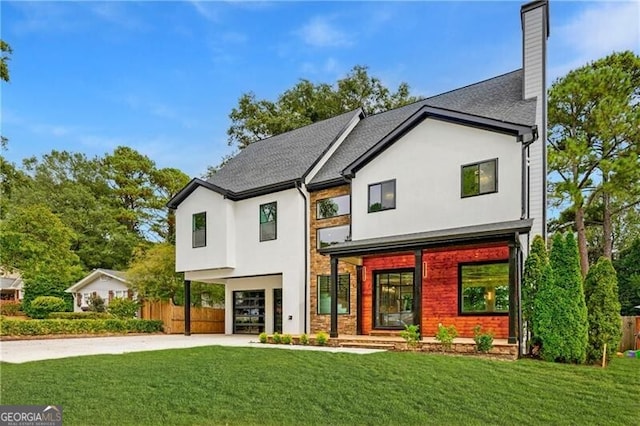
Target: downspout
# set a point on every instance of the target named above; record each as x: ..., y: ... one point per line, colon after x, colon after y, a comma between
x: 526, y: 180
x: 306, y: 251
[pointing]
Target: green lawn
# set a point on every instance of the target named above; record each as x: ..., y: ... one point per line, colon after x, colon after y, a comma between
x: 222, y: 385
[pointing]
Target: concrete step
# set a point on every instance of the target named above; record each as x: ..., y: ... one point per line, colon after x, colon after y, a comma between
x: 386, y: 333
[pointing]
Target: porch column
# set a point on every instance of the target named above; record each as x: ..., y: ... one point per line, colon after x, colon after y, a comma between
x: 417, y: 292
x: 334, y: 297
x: 187, y: 308
x: 358, y: 300
x: 513, y: 295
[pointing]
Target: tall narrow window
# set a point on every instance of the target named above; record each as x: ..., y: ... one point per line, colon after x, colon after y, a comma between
x: 268, y: 221
x: 480, y: 178
x: 199, y: 230
x: 382, y: 196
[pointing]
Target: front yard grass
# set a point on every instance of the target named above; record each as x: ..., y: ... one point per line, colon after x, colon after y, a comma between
x: 222, y: 385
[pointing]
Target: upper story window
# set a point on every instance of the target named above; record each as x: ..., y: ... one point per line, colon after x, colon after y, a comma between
x: 334, y: 206
x: 480, y: 178
x: 382, y: 196
x: 199, y: 230
x: 268, y: 221
x: 333, y: 235
x: 484, y: 288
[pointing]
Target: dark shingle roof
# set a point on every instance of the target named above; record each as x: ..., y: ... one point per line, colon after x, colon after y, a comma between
x: 281, y: 158
x: 498, y: 98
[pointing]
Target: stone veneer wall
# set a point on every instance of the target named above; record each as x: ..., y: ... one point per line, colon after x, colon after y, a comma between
x: 320, y: 265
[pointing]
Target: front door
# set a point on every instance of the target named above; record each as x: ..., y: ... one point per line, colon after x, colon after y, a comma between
x: 248, y: 312
x: 277, y: 310
x: 393, y: 303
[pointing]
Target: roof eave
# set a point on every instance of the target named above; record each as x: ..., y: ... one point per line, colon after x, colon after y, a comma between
x: 194, y: 184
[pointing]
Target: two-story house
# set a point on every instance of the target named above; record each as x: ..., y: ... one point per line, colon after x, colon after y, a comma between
x: 418, y: 215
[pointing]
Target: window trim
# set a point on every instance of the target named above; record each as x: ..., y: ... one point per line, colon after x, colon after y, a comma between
x: 260, y: 223
x: 331, y: 227
x: 369, y: 196
x: 193, y: 230
x: 460, y: 296
x: 328, y: 198
x: 478, y: 163
x: 348, y: 293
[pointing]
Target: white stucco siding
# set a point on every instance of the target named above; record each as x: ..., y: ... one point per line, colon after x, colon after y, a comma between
x: 255, y: 257
x: 426, y: 164
x: 218, y: 252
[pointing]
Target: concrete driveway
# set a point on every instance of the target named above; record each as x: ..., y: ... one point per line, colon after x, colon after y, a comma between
x: 19, y: 351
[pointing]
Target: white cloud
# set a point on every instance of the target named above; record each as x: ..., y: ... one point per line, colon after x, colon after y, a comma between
x: 598, y: 30
x: 207, y: 10
x: 319, y: 32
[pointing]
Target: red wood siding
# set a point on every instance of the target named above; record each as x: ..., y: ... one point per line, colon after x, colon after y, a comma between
x: 440, y: 291
x: 370, y: 265
x: 439, y: 288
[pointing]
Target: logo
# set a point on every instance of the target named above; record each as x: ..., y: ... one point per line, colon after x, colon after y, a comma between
x: 30, y: 415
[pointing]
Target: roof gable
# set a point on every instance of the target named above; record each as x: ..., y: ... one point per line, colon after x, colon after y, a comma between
x: 498, y: 99
x: 94, y: 275
x: 280, y: 159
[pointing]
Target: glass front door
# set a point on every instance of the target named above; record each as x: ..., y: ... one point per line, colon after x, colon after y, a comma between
x: 277, y: 310
x: 248, y: 312
x: 393, y: 305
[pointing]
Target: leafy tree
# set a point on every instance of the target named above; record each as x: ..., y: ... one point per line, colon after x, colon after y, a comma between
x: 628, y: 267
x: 75, y: 189
x: 4, y: 66
x: 531, y: 279
x: 605, y: 324
x: 12, y: 180
x: 306, y: 103
x: 564, y: 260
x: 168, y: 182
x: 594, y: 144
x: 37, y: 243
x: 152, y: 275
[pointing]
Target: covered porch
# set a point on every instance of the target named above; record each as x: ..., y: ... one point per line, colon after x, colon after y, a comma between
x: 417, y: 279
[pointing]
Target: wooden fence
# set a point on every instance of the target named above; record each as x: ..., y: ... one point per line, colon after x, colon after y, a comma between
x: 630, y: 329
x: 203, y: 320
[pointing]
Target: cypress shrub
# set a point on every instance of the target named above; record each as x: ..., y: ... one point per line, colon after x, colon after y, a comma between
x: 565, y: 262
x: 603, y: 306
x: 549, y: 316
x: 533, y: 270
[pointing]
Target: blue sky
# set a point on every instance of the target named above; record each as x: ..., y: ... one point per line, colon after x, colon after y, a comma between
x: 162, y: 77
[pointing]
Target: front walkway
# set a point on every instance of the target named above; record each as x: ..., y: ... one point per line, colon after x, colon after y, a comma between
x: 19, y: 351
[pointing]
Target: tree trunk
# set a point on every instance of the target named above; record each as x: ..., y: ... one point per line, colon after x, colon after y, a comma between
x: 582, y: 241
x: 607, y: 231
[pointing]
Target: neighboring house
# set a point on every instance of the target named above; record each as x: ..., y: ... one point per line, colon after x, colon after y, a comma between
x: 359, y: 224
x: 106, y: 283
x: 11, y: 285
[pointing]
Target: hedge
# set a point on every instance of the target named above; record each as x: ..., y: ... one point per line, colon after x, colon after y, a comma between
x: 80, y: 315
x: 10, y: 327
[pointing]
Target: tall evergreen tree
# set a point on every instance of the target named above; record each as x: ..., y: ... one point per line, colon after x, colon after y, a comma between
x: 603, y: 306
x: 532, y: 277
x: 565, y: 262
x: 549, y: 316
x: 628, y: 268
